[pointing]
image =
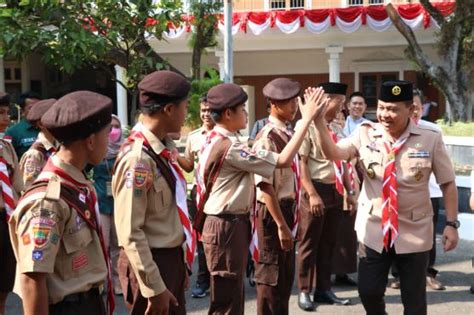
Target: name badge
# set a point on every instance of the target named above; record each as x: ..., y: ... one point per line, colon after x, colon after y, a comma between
x: 419, y: 154
x: 108, y: 186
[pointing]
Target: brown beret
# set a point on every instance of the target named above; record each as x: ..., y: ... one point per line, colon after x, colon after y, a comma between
x: 162, y: 87
x: 334, y: 88
x: 39, y: 108
x: 226, y: 95
x: 77, y: 115
x: 281, y: 89
x: 4, y: 99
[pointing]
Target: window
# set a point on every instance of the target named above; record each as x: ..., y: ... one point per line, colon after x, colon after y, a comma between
x: 364, y: 2
x: 355, y: 2
x: 12, y: 72
x: 370, y: 85
x: 286, y: 4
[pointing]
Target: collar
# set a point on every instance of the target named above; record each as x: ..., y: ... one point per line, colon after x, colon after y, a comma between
x: 277, y: 122
x: 225, y: 132
x: 155, y: 143
x: 411, y: 129
x: 47, y: 145
x: 71, y: 170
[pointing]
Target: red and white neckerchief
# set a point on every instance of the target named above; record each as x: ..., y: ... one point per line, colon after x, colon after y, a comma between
x: 295, y: 167
x: 338, y: 169
x: 389, y: 194
x: 180, y: 195
x: 90, y: 198
x: 7, y: 188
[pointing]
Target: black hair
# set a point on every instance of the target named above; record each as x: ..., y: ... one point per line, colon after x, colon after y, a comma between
x: 216, y: 114
x: 26, y: 95
x: 159, y: 103
x: 359, y: 94
x: 203, y: 98
x: 419, y: 93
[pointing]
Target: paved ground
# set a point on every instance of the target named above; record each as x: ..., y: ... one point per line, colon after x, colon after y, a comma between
x: 456, y: 271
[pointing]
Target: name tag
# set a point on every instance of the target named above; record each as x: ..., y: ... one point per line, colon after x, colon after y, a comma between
x: 108, y: 186
x: 419, y: 154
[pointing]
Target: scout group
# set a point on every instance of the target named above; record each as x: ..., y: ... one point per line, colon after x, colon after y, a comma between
x: 288, y: 188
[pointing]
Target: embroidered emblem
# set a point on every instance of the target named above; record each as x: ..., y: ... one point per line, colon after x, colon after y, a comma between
x: 87, y: 213
x: 396, y: 90
x: 80, y: 261
x: 141, y: 173
x: 26, y: 239
x: 82, y: 197
x: 54, y: 239
x: 37, y: 255
x: 41, y: 235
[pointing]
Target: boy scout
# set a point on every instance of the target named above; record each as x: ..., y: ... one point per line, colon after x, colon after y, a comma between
x: 318, y: 230
x: 150, y: 202
x: 394, y: 220
x: 188, y: 162
x: 278, y: 197
x: 11, y: 186
x: 226, y: 191
x: 55, y: 230
x: 33, y: 161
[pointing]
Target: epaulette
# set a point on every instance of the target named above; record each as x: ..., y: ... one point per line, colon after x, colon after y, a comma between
x: 53, y: 190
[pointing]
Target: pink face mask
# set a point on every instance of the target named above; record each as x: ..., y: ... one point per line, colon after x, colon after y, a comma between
x: 115, y: 134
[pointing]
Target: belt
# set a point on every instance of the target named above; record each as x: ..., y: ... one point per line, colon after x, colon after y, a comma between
x: 231, y: 217
x: 82, y: 296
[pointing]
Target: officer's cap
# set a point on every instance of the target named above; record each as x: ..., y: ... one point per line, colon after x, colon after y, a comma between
x: 396, y: 91
x: 225, y: 95
x: 162, y: 87
x: 77, y: 115
x: 334, y: 88
x: 281, y: 89
x: 39, y: 108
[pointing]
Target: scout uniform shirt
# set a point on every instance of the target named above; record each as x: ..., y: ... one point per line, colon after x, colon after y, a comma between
x: 320, y: 168
x: 8, y: 153
x: 33, y: 161
x: 422, y: 153
x: 233, y: 190
x: 195, y: 141
x: 48, y: 236
x: 282, y: 179
x: 146, y: 214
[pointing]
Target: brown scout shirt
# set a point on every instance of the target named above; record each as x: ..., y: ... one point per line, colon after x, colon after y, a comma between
x: 8, y: 153
x: 423, y: 152
x: 320, y: 168
x: 282, y: 179
x: 50, y: 237
x: 195, y: 141
x: 33, y: 161
x: 233, y: 190
x: 146, y: 215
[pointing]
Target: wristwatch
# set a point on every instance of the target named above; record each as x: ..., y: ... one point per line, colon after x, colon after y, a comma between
x: 455, y: 224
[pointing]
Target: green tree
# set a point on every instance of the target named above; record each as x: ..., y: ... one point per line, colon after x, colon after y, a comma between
x: 205, y: 15
x: 454, y: 74
x: 76, y: 34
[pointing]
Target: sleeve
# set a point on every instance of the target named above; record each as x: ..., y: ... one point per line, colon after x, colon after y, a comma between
x: 305, y: 147
x: 442, y: 166
x: 17, y: 180
x: 260, y: 162
x: 38, y: 232
x: 263, y: 144
x: 352, y: 142
x: 30, y: 167
x: 188, y: 149
x: 131, y: 184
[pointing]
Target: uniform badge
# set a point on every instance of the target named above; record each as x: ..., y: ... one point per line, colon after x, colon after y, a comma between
x: 418, y: 145
x: 87, y: 214
x: 26, y: 239
x: 80, y: 261
x: 391, y: 156
x: 54, y: 239
x: 371, y: 173
x: 41, y: 235
x: 244, y: 154
x: 418, y: 175
x: 141, y: 173
x: 396, y: 90
x: 37, y: 255
x: 82, y: 197
x: 30, y: 166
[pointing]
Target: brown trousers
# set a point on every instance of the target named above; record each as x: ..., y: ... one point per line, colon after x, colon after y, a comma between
x: 344, y: 258
x: 317, y: 237
x: 170, y: 262
x: 275, y: 270
x: 226, y: 241
x: 90, y: 303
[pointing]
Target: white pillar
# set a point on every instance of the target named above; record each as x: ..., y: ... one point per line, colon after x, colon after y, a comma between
x: 334, y: 62
x: 122, y: 110
x: 25, y: 76
x: 2, y: 78
x: 228, y: 43
x: 220, y: 54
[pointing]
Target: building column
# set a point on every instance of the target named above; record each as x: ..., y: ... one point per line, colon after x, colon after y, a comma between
x: 25, y: 76
x: 2, y: 77
x: 334, y: 62
x: 220, y: 54
x: 122, y: 110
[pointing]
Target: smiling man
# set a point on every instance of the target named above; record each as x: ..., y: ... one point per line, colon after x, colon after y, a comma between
x: 394, y: 220
x: 357, y: 107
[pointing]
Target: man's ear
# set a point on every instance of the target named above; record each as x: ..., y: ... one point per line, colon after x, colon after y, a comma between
x: 90, y: 142
x: 168, y: 109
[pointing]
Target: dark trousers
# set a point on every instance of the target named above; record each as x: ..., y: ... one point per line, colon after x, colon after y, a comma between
x: 226, y: 241
x: 431, y: 271
x: 7, y: 260
x: 317, y: 237
x: 90, y: 303
x: 170, y: 262
x: 344, y: 259
x: 373, y: 277
x: 275, y: 270
x: 203, y: 274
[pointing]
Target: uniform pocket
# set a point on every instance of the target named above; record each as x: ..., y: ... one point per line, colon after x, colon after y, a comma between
x: 266, y: 271
x: 162, y: 193
x: 76, y: 259
x: 76, y: 241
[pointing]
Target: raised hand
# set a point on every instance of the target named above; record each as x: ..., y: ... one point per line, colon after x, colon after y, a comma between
x: 314, y: 103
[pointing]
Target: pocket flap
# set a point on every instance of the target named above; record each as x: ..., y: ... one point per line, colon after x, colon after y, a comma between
x: 80, y: 239
x: 209, y: 238
x: 418, y: 215
x: 268, y: 257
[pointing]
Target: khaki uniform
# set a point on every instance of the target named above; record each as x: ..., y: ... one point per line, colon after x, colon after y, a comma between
x: 33, y: 161
x: 275, y: 270
x: 8, y: 262
x: 194, y: 142
x: 49, y: 236
x: 148, y: 226
x: 422, y: 153
x: 318, y: 234
x: 226, y: 230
